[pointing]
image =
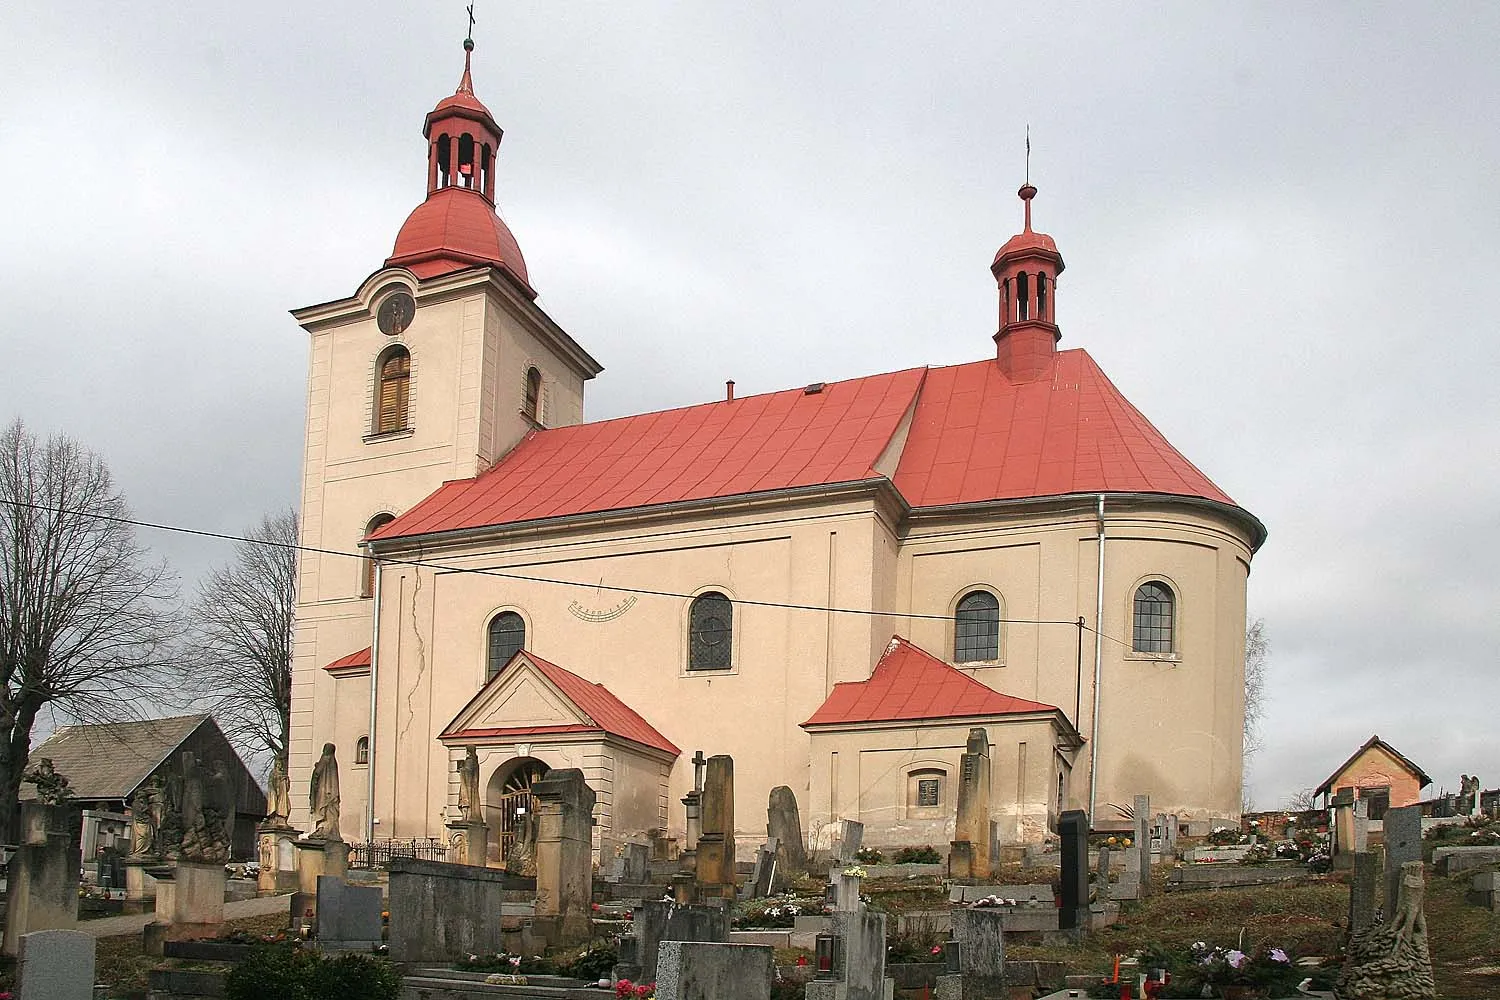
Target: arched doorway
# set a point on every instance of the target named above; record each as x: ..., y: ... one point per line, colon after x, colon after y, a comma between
x: 507, y: 799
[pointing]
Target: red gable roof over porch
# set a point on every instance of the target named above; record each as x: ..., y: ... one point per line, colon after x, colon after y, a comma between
x: 596, y: 702
x: 910, y: 683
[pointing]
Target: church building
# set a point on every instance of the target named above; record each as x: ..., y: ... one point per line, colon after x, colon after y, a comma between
x: 835, y: 583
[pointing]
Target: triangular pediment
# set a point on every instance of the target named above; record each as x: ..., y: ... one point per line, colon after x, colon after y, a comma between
x: 520, y: 695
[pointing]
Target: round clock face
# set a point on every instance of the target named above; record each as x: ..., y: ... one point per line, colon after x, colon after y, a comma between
x: 395, y: 314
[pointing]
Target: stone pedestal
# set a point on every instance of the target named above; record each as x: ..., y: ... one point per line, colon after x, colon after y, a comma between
x: 278, y: 859
x: 564, y: 857
x: 319, y: 857
x: 139, y: 885
x: 468, y: 844
x: 189, y: 903
x: 43, y: 883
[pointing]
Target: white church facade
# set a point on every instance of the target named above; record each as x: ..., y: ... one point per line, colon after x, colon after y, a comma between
x: 833, y: 583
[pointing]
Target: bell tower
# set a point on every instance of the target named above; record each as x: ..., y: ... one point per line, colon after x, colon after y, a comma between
x: 1026, y: 269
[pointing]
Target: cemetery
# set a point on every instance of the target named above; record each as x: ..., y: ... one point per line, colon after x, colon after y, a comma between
x: 1311, y: 903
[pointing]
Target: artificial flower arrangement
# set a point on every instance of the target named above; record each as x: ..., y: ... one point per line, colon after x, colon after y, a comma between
x: 625, y: 990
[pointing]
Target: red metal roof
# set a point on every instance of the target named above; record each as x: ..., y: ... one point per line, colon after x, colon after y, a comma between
x: 750, y: 445
x: 607, y: 713
x: 353, y: 660
x: 975, y: 436
x: 910, y: 683
x: 454, y: 229
x: 978, y: 436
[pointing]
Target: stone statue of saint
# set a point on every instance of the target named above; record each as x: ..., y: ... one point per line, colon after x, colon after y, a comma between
x: 278, y: 795
x: 324, y: 797
x: 146, y: 808
x: 203, y: 838
x: 468, y: 786
x: 223, y: 799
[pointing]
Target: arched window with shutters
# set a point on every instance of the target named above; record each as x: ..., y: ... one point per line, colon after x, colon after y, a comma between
x: 1154, y: 618
x: 976, y: 628
x: 393, y: 391
x: 710, y: 632
x: 507, y: 637
x: 367, y: 564
x: 532, y: 405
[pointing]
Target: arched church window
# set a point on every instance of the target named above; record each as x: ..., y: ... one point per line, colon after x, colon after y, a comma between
x: 466, y: 160
x: 444, y: 160
x: 1023, y: 296
x: 710, y: 632
x: 976, y: 628
x: 367, y: 567
x: 532, y: 405
x: 1154, y: 618
x: 362, y: 750
x: 1041, y: 295
x: 395, y: 390
x: 507, y: 636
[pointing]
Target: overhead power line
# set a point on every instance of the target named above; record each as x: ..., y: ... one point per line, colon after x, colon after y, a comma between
x: 490, y: 571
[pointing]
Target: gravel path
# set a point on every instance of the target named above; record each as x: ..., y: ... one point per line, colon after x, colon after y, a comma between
x: 134, y: 923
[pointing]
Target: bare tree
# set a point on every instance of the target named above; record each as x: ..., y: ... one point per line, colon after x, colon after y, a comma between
x: 1256, y: 648
x: 238, y: 658
x: 1302, y: 801
x: 84, y: 614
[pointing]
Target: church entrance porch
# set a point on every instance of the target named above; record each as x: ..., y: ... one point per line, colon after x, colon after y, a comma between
x: 509, y: 812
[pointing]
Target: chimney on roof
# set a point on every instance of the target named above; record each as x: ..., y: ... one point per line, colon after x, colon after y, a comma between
x: 729, y: 391
x: 1026, y: 269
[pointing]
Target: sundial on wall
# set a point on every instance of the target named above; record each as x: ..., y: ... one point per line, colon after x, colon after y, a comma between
x: 597, y: 613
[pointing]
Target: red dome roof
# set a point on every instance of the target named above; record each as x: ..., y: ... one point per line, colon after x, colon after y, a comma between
x: 1027, y: 241
x: 454, y: 229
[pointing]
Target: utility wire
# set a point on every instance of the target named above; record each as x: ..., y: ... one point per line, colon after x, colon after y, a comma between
x: 525, y: 578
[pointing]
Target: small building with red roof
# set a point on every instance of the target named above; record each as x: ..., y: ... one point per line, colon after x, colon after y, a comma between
x: 487, y: 569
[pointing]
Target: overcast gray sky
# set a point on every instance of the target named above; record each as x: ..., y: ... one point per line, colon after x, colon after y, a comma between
x: 1280, y: 224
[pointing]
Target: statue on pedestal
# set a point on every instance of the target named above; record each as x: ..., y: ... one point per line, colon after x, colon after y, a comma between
x: 324, y: 797
x: 146, y: 808
x: 278, y: 795
x: 207, y: 811
x: 468, y: 787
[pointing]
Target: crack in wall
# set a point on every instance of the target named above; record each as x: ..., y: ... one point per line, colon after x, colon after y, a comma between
x: 411, y: 712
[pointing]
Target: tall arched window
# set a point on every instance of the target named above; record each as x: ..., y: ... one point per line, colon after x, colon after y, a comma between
x: 976, y: 628
x: 395, y: 391
x: 1154, y: 618
x: 1023, y: 296
x: 506, y: 639
x: 532, y: 405
x: 367, y: 569
x: 710, y: 632
x: 362, y: 750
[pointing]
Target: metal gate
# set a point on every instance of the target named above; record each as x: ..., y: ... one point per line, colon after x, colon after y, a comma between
x: 516, y: 803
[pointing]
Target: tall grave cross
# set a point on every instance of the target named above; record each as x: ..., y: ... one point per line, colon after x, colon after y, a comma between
x: 699, y: 763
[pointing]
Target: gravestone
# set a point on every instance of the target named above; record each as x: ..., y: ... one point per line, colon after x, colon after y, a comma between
x: 1341, y: 810
x: 979, y: 943
x: 42, y: 890
x: 851, y: 840
x: 763, y: 877
x: 564, y: 856
x: 657, y: 921
x: 1159, y: 835
x: 1073, y: 828
x: 1143, y: 844
x: 1403, y: 843
x: 441, y: 912
x: 846, y: 893
x: 637, y: 867
x: 693, y: 970
x: 715, y: 862
x: 972, y: 826
x: 784, y: 827
x: 348, y: 915
x: 1361, y: 824
x: 1101, y: 882
x: 56, y: 965
x: 861, y: 936
x: 1172, y: 835
x: 1364, y: 888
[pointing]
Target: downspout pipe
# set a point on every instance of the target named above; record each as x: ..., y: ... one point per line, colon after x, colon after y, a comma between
x: 1098, y: 667
x: 374, y: 690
